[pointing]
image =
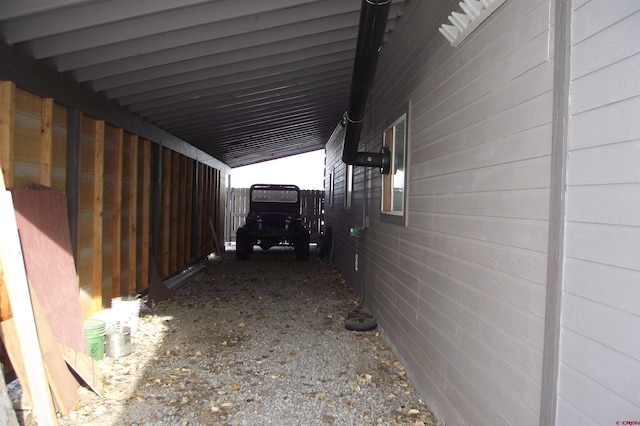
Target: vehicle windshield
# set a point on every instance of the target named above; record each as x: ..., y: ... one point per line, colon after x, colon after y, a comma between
x: 274, y: 196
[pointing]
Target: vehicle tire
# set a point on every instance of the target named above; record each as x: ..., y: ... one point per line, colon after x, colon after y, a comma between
x: 325, y: 246
x: 243, y: 244
x: 361, y: 323
x: 359, y: 312
x: 302, y: 246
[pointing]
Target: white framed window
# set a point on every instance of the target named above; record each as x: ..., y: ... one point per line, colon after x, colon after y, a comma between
x: 393, y: 184
x: 348, y: 185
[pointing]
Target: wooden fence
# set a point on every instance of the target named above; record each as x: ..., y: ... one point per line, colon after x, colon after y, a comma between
x: 126, y: 196
x: 312, y: 202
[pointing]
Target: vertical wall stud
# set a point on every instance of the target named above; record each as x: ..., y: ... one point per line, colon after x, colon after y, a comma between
x: 98, y: 184
x: 156, y: 202
x: 194, y: 210
x: 133, y: 213
x: 182, y: 207
x: 146, y: 213
x: 165, y: 225
x: 7, y: 129
x: 72, y: 178
x: 46, y: 141
x: 117, y: 213
x: 200, y: 205
x: 188, y: 184
x: 206, y: 211
x: 175, y: 205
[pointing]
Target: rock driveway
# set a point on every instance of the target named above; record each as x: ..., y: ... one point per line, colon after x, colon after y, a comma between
x: 261, y: 342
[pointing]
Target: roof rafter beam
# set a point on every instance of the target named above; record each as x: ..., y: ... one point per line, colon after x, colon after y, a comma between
x: 311, y: 56
x: 13, y: 9
x: 236, y: 27
x: 254, y: 44
x: 341, y: 59
x: 334, y: 94
x: 129, y: 21
x: 245, y: 87
x: 316, y: 87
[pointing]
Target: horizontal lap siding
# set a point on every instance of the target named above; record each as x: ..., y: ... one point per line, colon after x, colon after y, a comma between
x: 338, y: 219
x: 600, y: 352
x: 460, y: 291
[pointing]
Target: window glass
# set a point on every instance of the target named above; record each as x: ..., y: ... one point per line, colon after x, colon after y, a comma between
x: 274, y: 195
x: 398, y: 167
x: 330, y: 195
x: 393, y: 184
x: 348, y: 181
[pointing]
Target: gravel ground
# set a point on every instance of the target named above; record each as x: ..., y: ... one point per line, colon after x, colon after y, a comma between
x: 261, y: 342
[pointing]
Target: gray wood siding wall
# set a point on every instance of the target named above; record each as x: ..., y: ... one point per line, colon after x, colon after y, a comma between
x: 600, y: 345
x: 460, y: 291
x: 341, y: 218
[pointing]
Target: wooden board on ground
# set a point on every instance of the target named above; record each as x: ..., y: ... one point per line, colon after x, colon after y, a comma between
x: 63, y: 385
x: 215, y: 238
x: 85, y: 367
x: 42, y: 221
x: 9, y: 336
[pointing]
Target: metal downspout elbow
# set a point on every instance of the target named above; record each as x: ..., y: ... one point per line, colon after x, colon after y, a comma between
x: 373, y: 22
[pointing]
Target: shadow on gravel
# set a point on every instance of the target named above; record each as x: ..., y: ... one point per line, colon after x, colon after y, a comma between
x: 261, y: 342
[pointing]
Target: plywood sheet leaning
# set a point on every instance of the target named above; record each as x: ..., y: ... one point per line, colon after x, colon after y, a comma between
x: 41, y: 216
x: 63, y: 385
x: 15, y: 280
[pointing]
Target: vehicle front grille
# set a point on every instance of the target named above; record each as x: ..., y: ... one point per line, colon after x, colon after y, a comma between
x: 273, y: 220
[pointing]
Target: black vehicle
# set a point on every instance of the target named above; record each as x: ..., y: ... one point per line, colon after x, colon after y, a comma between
x: 274, y: 219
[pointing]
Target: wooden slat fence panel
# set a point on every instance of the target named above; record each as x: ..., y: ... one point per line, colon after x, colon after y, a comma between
x: 313, y: 212
x: 237, y: 211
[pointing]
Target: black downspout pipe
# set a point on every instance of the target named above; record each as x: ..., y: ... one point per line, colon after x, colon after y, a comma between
x: 373, y: 22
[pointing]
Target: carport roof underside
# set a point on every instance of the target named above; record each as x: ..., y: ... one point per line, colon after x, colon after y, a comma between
x: 243, y: 80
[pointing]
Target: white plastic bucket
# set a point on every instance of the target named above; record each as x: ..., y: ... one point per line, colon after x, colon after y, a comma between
x: 127, y: 309
x: 111, y: 320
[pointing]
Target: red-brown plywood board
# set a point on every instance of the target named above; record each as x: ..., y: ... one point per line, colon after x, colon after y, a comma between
x: 64, y: 386
x: 41, y: 216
